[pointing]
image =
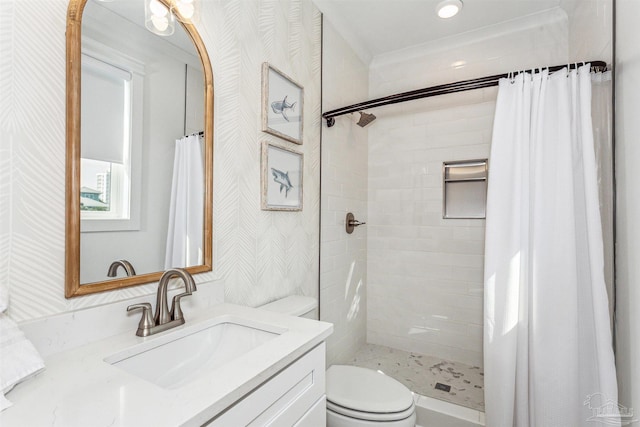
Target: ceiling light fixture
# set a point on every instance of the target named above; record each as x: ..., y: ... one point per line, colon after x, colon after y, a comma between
x: 160, y: 16
x: 186, y: 11
x: 448, y: 8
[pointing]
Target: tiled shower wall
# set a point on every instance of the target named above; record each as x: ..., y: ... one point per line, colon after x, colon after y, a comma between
x: 425, y: 273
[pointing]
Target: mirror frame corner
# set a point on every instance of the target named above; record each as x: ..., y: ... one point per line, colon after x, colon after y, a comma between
x: 73, y: 287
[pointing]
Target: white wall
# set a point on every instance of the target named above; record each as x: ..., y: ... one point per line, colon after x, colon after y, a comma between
x: 425, y: 273
x: 343, y: 264
x: 260, y: 255
x: 194, y: 116
x: 628, y: 203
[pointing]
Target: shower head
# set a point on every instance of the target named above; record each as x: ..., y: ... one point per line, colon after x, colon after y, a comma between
x: 365, y: 119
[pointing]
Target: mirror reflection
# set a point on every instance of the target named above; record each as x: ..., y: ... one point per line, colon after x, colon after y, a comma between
x: 142, y: 177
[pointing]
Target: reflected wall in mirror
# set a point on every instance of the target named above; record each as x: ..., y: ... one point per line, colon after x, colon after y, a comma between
x: 139, y: 148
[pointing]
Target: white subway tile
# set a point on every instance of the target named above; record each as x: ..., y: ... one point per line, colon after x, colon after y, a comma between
x: 425, y: 273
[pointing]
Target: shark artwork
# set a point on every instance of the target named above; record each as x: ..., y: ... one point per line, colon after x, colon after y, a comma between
x: 282, y: 178
x: 281, y: 107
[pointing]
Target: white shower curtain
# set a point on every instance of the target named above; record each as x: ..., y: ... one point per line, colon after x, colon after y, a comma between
x: 548, y: 356
x: 186, y: 209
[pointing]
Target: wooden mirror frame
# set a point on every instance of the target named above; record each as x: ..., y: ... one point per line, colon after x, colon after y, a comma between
x: 73, y: 287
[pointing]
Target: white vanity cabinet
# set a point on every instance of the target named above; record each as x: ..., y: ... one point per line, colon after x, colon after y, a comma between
x: 278, y: 383
x: 293, y: 397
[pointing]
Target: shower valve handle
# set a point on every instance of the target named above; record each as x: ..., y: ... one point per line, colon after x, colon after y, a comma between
x: 351, y: 222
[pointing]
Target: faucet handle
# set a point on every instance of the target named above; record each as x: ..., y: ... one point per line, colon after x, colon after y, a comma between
x: 146, y: 322
x: 176, y: 310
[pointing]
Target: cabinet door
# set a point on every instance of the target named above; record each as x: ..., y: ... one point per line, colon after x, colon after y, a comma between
x: 316, y: 416
x: 282, y: 400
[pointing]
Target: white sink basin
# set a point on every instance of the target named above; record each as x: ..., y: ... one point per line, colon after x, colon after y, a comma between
x: 173, y: 359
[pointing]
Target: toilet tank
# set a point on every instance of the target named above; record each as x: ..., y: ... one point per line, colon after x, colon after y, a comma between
x: 295, y: 305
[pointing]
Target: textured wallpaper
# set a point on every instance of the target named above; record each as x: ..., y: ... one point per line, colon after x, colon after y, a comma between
x: 259, y: 255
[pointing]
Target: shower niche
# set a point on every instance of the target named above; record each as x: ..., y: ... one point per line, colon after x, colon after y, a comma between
x: 464, y: 189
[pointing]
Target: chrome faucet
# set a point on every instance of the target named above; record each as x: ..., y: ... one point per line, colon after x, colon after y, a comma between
x: 164, y: 318
x: 126, y: 265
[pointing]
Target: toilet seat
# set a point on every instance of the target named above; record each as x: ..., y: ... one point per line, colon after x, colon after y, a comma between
x: 365, y: 394
x: 370, y: 416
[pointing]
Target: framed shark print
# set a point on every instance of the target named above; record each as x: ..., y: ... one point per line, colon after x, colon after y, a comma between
x: 281, y: 178
x: 282, y: 102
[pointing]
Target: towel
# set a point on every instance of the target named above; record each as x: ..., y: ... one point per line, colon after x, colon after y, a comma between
x: 19, y: 359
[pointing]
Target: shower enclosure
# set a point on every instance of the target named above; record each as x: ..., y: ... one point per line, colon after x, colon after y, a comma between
x: 405, y: 292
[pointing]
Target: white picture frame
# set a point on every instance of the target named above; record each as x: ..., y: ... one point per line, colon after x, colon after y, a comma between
x: 282, y: 105
x: 282, y: 186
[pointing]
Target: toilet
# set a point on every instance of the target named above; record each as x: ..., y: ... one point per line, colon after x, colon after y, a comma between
x: 294, y: 305
x: 356, y: 397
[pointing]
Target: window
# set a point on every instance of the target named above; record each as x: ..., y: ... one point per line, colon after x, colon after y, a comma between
x: 104, y: 188
x: 111, y: 96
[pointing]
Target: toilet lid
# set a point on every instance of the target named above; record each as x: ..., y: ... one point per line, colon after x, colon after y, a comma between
x: 366, y: 390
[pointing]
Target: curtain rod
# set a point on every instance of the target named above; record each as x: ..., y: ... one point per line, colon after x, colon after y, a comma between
x: 444, y: 89
x: 201, y: 133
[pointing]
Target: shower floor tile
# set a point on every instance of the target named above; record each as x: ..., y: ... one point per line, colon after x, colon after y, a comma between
x: 420, y: 373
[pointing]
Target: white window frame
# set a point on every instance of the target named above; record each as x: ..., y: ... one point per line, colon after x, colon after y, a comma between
x: 95, y: 221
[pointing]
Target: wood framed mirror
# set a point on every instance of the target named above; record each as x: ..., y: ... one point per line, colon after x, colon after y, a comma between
x: 127, y: 210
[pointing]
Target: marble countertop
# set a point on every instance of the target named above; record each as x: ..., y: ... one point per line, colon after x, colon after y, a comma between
x: 78, y: 388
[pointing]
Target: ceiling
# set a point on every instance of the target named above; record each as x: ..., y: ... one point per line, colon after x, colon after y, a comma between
x: 374, y: 27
